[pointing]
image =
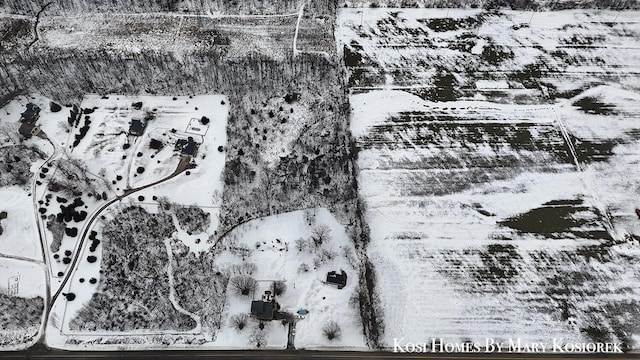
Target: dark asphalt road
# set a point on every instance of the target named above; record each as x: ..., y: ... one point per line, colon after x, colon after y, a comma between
x: 287, y: 355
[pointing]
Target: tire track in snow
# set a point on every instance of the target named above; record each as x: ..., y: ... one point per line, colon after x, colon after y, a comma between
x: 601, y: 206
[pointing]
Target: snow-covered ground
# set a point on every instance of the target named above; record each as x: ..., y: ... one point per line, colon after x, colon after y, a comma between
x: 27, y: 279
x: 234, y: 36
x: 270, y: 245
x: 105, y: 152
x: 480, y: 220
x: 20, y: 235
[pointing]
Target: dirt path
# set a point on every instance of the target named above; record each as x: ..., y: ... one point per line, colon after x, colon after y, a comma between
x: 295, y: 35
x: 172, y: 291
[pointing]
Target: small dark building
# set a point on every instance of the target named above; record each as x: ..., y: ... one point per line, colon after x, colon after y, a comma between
x: 30, y: 115
x: 337, y: 279
x: 187, y: 147
x: 137, y: 127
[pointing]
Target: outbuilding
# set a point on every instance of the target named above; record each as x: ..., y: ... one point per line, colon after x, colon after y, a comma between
x: 337, y: 279
x: 136, y: 127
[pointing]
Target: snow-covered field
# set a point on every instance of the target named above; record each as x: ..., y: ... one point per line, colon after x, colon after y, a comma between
x: 608, y: 129
x: 489, y: 230
x: 20, y: 235
x: 234, y: 36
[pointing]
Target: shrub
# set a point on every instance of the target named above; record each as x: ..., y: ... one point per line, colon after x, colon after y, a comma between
x: 239, y: 321
x: 279, y: 287
x: 156, y: 144
x: 244, y: 285
x: 258, y: 338
x: 54, y: 107
x: 303, y: 268
x: 204, y: 120
x: 331, y: 330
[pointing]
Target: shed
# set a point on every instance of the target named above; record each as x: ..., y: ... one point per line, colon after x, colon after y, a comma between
x: 137, y: 127
x: 337, y: 279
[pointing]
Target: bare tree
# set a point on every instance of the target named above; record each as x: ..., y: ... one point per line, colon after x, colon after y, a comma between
x: 302, y: 244
x: 279, y: 287
x: 331, y: 330
x: 244, y: 285
x: 245, y: 269
x: 320, y: 234
x: 323, y: 256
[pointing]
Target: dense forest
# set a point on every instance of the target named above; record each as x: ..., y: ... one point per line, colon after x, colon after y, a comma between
x: 243, y: 7
x: 20, y: 319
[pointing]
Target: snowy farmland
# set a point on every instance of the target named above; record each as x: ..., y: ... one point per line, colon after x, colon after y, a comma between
x: 474, y: 172
x: 503, y: 56
x: 481, y: 212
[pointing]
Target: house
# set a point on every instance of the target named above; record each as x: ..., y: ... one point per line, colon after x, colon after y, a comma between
x: 136, y: 127
x: 28, y: 129
x: 30, y: 115
x: 265, y: 308
x: 187, y: 147
x: 262, y: 310
x: 337, y: 279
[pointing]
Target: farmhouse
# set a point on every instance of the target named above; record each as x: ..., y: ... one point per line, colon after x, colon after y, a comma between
x: 28, y: 129
x: 337, y: 279
x: 136, y: 127
x: 28, y: 118
x: 265, y: 308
